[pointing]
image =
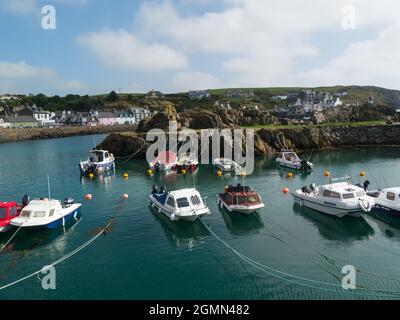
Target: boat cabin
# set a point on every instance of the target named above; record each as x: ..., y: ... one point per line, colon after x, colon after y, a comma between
x: 8, y: 211
x: 97, y: 156
x: 390, y: 197
x: 41, y: 208
x: 338, y: 191
x: 180, y: 200
x: 240, y: 195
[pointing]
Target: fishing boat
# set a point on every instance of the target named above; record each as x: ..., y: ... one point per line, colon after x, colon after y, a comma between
x: 184, y: 204
x: 387, y: 201
x: 240, y: 198
x: 336, y: 199
x: 9, y: 210
x: 227, y: 165
x: 289, y: 159
x: 46, y: 213
x: 188, y: 162
x: 164, y: 162
x: 99, y: 161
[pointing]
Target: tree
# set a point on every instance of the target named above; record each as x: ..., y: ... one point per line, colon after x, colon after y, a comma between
x: 112, y: 96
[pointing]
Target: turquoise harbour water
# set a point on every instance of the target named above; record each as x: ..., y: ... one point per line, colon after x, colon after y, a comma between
x: 145, y: 256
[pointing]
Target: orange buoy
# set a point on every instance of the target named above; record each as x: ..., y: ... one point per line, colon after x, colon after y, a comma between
x: 88, y: 196
x: 125, y: 196
x: 362, y: 174
x: 285, y: 190
x: 327, y: 174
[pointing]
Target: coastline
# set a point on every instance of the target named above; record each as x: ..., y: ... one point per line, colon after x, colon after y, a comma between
x: 23, y: 134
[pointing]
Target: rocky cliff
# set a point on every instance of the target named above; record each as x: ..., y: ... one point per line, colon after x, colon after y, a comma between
x: 270, y: 141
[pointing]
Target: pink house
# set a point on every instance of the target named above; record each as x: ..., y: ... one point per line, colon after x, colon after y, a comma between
x: 107, y: 118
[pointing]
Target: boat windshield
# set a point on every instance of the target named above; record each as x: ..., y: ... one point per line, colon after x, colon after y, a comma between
x: 39, y: 214
x: 25, y: 213
x: 182, y: 203
x: 290, y: 156
x: 3, y: 212
x: 247, y: 199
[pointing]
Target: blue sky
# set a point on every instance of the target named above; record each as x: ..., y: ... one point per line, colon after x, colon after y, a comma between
x: 135, y: 46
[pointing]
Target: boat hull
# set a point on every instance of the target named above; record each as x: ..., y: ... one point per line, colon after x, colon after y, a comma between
x: 85, y: 167
x: 381, y: 209
x: 295, y: 166
x: 327, y: 208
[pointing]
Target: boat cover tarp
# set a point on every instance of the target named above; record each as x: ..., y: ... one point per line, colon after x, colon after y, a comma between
x: 160, y: 197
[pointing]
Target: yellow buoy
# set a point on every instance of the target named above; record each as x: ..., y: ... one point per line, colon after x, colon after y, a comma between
x: 149, y: 172
x: 183, y: 171
x: 289, y: 175
x: 219, y: 173
x: 362, y: 174
x: 125, y: 175
x: 327, y: 174
x: 90, y: 175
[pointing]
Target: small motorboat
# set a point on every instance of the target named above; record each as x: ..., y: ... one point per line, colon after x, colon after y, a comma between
x: 188, y: 162
x: 99, y: 161
x: 387, y: 201
x: 240, y: 198
x: 337, y: 199
x: 184, y: 204
x: 289, y: 159
x: 228, y: 165
x: 46, y: 213
x: 164, y: 162
x: 9, y: 211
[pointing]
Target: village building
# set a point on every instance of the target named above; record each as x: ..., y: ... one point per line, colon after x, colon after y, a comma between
x: 199, y: 94
x: 239, y: 94
x: 106, y: 118
x: 154, y: 95
x: 23, y: 122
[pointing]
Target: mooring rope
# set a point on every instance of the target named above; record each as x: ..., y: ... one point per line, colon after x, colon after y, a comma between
x: 129, y: 157
x: 297, y: 279
x: 81, y: 247
x: 12, y: 237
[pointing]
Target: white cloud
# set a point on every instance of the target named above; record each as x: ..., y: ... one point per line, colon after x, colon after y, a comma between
x: 193, y: 80
x: 20, y: 77
x: 21, y: 7
x: 123, y: 50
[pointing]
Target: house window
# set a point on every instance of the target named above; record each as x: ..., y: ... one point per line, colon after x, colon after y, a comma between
x: 390, y: 196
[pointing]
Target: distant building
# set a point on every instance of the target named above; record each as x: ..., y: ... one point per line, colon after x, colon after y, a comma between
x: 141, y: 113
x: 42, y: 116
x: 23, y: 122
x: 106, y: 118
x: 280, y: 97
x: 199, y: 94
x: 8, y: 97
x: 239, y: 94
x: 4, y: 123
x: 154, y: 95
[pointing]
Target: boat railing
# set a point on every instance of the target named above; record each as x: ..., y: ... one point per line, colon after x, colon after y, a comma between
x: 344, y: 178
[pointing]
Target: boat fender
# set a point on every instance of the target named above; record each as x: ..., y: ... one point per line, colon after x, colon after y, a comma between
x: 172, y: 216
x: 364, y: 205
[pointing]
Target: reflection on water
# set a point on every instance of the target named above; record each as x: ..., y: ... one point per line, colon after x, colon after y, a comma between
x: 181, y: 233
x: 346, y: 229
x: 388, y: 225
x: 240, y: 224
x: 105, y: 179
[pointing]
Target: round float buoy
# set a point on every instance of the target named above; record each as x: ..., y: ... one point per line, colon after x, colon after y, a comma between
x: 90, y: 175
x: 289, y: 175
x: 183, y: 171
x: 327, y: 174
x: 219, y: 173
x: 88, y: 196
x: 125, y: 175
x: 125, y: 196
x: 362, y: 174
x: 285, y: 190
x: 149, y: 172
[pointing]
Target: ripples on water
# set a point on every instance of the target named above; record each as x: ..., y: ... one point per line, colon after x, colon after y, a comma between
x: 147, y: 256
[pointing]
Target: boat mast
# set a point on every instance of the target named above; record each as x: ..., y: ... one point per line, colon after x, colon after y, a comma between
x: 48, y: 186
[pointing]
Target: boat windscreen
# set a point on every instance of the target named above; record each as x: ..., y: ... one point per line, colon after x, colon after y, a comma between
x: 182, y: 203
x: 239, y: 189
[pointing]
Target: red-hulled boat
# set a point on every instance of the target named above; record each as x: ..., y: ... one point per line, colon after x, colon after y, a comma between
x: 240, y: 198
x: 10, y: 210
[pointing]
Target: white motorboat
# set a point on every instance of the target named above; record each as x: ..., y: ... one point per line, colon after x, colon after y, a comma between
x: 184, y: 204
x: 188, y: 162
x: 46, y: 214
x: 337, y: 199
x: 289, y: 159
x: 228, y: 165
x: 387, y: 201
x: 99, y: 161
x: 164, y: 162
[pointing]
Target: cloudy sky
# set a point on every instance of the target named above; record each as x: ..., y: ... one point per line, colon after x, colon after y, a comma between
x: 135, y: 46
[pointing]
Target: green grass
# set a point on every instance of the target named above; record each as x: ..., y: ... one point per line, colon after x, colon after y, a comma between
x: 328, y: 124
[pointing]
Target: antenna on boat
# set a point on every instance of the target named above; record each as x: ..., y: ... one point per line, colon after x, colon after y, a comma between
x: 94, y: 143
x: 48, y: 186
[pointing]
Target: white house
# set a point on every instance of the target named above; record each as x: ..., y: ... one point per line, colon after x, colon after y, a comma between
x: 125, y: 117
x: 141, y: 113
x: 4, y: 123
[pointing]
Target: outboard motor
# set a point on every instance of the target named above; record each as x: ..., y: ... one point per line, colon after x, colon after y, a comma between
x: 25, y: 200
x: 69, y: 201
x: 313, y: 186
x: 304, y: 165
x: 154, y: 189
x: 366, y: 185
x: 306, y: 189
